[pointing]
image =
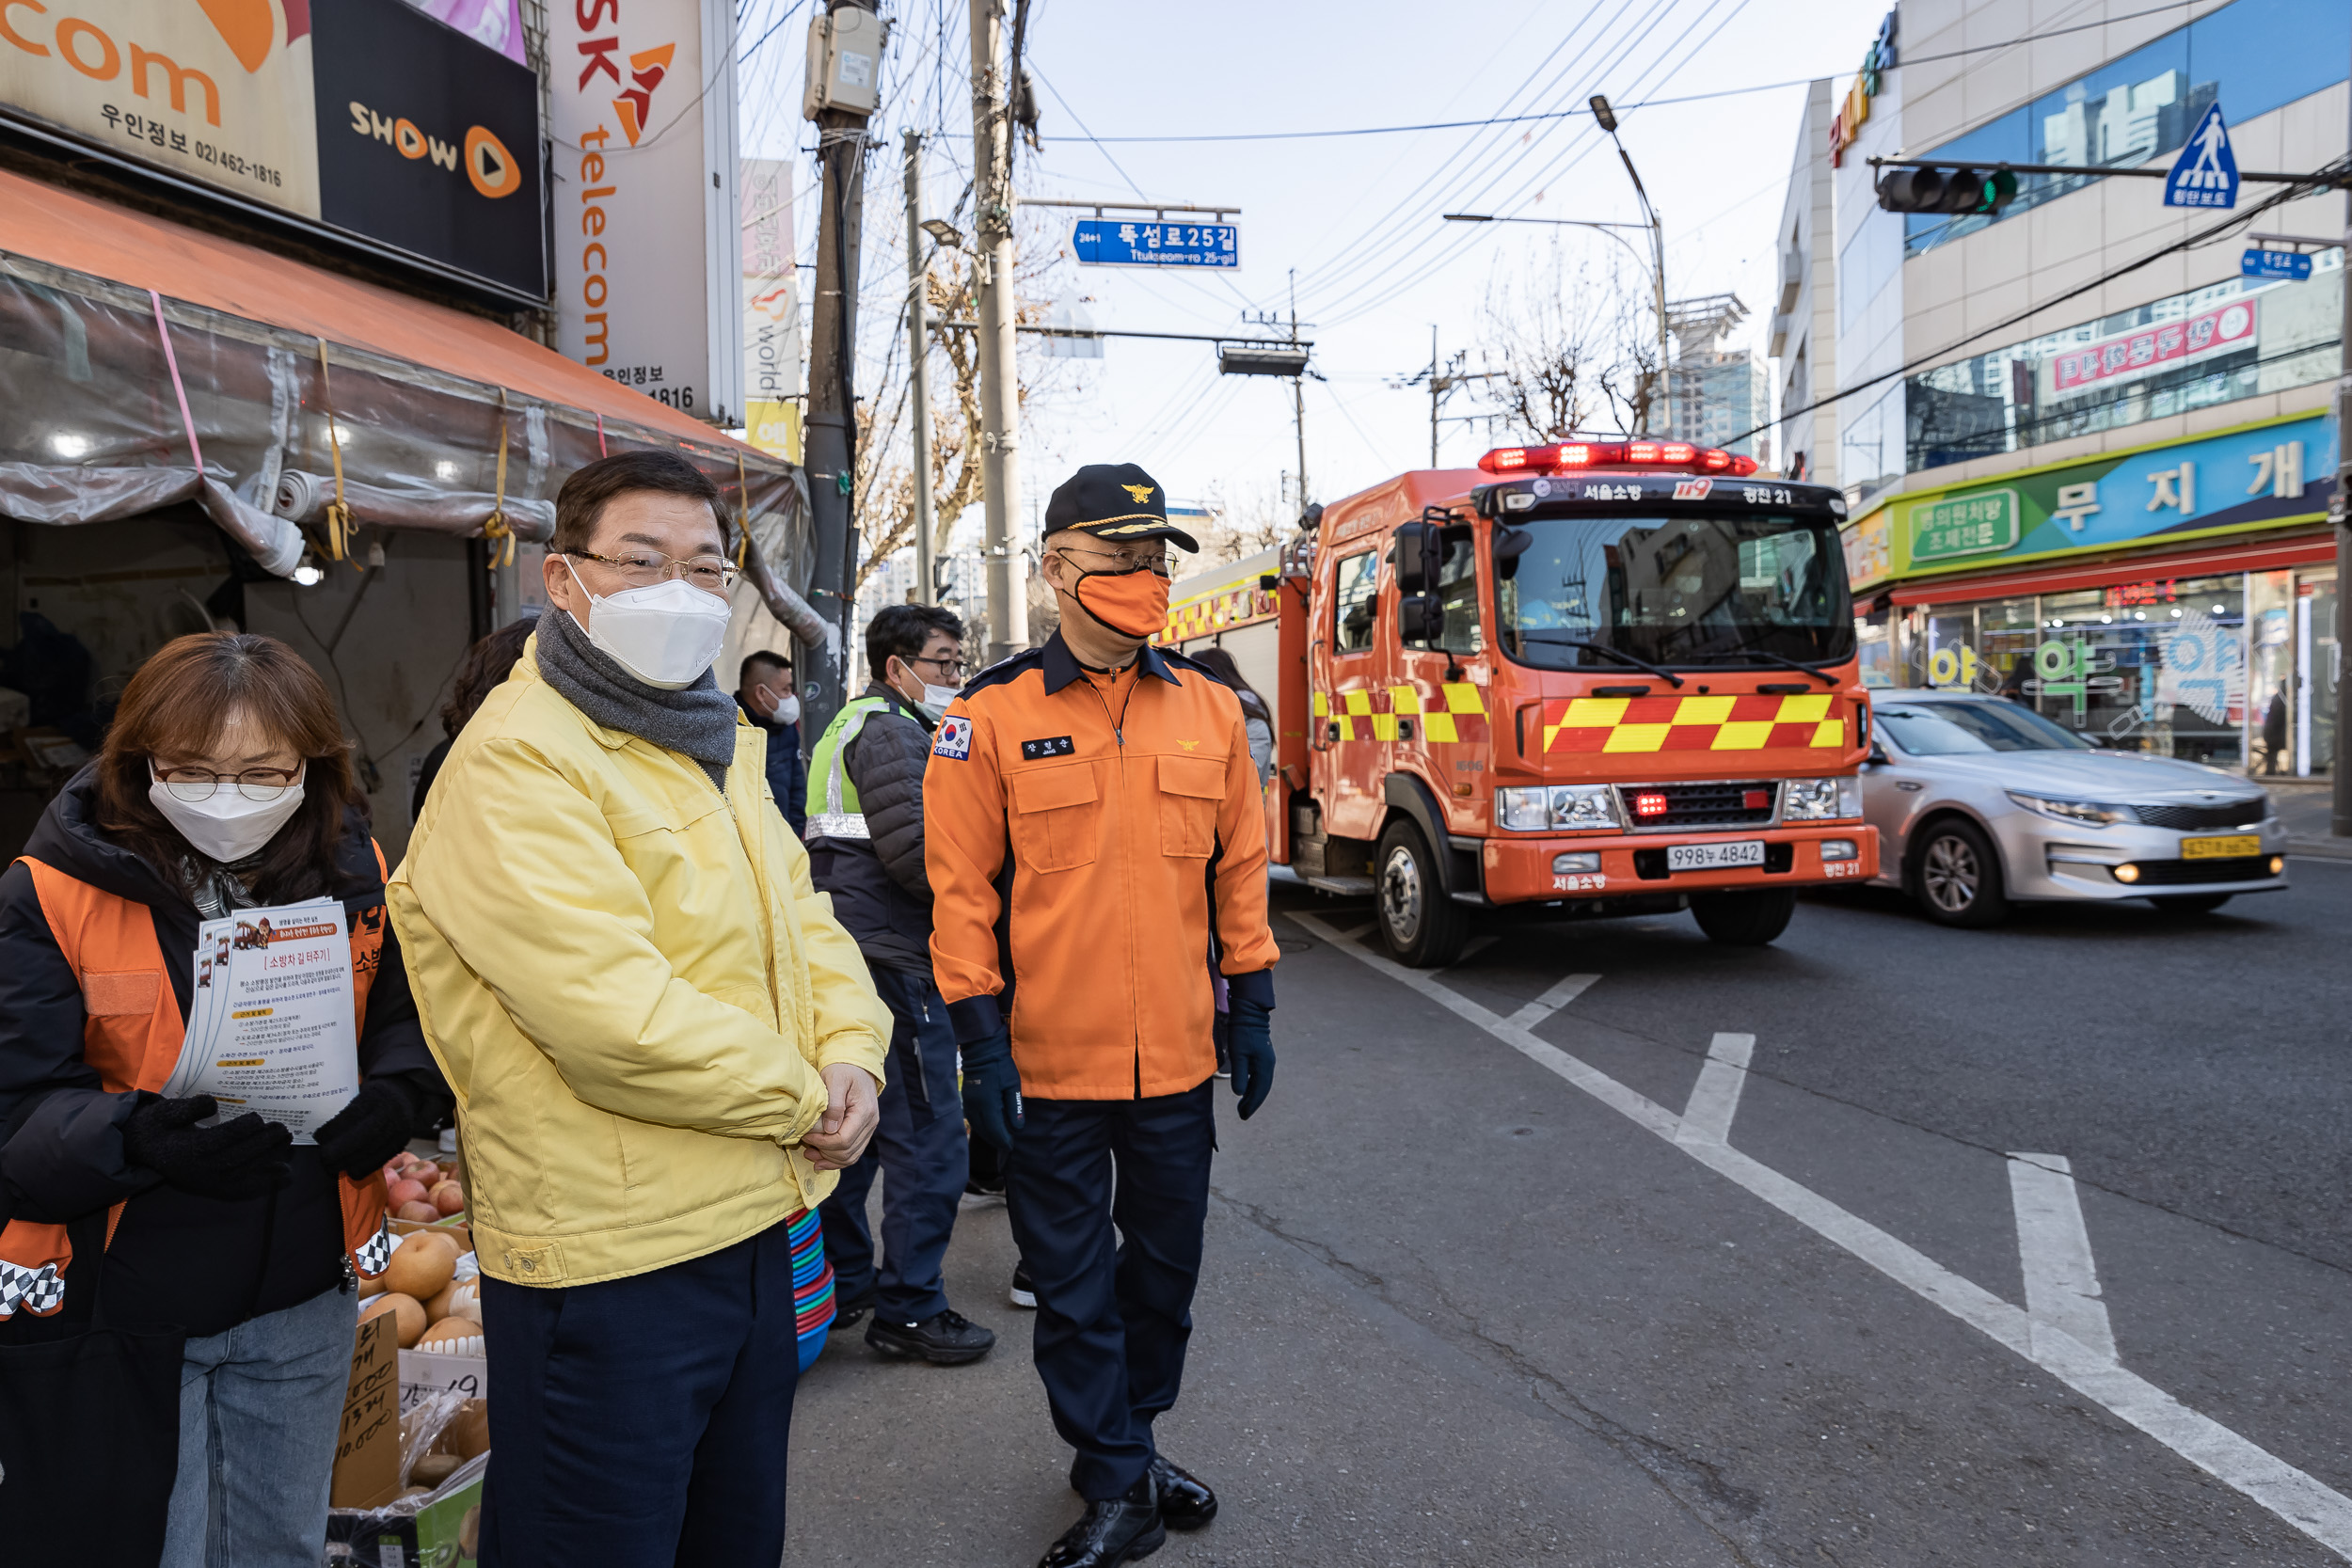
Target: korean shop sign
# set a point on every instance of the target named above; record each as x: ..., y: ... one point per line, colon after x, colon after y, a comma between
x: 2223, y: 329
x: 1855, y: 110
x: 1982, y: 522
x: 2262, y: 476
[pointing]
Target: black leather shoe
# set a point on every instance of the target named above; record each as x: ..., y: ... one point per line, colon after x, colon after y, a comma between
x: 1110, y: 1533
x: 1185, y: 1502
x: 945, y: 1338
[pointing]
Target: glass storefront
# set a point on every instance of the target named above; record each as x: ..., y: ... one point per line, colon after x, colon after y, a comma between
x: 2237, y: 672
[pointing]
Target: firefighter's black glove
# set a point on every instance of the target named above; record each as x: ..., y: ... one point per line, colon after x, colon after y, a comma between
x: 244, y: 1157
x: 1249, y: 1043
x: 368, y: 1131
x: 991, y: 1090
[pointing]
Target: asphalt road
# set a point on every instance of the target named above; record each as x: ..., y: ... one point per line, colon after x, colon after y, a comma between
x: 1509, y: 1271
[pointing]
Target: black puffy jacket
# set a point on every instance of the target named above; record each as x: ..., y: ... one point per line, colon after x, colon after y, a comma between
x: 202, y: 1265
x: 879, y: 887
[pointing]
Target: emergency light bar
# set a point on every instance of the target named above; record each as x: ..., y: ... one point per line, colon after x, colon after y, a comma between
x: 1563, y: 457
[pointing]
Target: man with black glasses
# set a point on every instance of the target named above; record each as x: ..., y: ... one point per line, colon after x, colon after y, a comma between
x: 866, y: 848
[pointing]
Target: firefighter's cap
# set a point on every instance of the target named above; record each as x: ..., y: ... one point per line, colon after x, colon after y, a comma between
x: 1114, y: 501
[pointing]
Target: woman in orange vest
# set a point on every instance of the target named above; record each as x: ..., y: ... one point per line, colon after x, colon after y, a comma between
x: 225, y: 784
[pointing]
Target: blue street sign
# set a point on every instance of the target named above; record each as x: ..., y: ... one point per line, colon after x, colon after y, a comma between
x: 2206, y: 174
x: 1123, y: 243
x: 2258, y: 262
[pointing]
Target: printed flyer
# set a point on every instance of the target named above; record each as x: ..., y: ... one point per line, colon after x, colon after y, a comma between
x: 271, y: 1029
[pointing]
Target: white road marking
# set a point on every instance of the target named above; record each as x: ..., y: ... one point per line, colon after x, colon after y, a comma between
x: 1558, y: 995
x: 2061, y: 1281
x: 1715, y: 1098
x: 2309, y: 1505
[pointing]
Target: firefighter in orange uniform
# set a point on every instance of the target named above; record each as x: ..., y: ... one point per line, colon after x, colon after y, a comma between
x: 1096, y: 847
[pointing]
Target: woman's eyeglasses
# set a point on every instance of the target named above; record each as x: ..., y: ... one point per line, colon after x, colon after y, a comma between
x: 201, y: 783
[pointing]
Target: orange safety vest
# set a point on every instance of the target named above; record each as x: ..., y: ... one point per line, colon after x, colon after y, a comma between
x: 131, y: 1033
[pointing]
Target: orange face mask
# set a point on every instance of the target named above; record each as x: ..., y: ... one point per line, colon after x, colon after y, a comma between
x: 1132, y: 603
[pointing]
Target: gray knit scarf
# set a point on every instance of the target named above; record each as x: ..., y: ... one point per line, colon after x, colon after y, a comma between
x: 698, y: 722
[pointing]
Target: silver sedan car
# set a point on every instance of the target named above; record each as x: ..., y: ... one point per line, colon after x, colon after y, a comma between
x: 1981, y: 802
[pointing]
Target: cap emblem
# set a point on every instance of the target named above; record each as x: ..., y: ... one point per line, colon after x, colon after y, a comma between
x: 1142, y: 493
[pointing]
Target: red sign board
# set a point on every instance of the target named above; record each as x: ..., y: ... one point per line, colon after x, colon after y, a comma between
x: 2214, y: 331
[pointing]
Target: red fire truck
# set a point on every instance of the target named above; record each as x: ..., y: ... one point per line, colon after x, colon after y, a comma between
x: 1598, y: 678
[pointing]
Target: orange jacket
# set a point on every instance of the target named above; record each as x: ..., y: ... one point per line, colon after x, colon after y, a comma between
x: 1088, y: 838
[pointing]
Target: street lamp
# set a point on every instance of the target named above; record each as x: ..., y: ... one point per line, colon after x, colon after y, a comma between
x: 1607, y: 118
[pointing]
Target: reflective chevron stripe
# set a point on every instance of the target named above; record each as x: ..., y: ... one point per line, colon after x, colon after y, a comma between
x: 1750, y: 724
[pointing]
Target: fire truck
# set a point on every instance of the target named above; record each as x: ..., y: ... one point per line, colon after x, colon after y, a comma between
x: 1588, y: 678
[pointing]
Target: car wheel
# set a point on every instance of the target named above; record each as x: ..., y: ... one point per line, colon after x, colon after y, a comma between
x: 1422, y: 927
x: 2195, y: 903
x: 1957, y: 877
x: 1744, y: 919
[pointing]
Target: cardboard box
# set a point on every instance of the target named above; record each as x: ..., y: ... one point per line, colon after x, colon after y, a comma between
x: 444, y: 1530
x: 367, y: 1449
x: 424, y: 1372
x: 455, y: 1226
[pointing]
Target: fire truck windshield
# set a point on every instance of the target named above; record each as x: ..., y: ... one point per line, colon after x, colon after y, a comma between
x: 1683, y: 591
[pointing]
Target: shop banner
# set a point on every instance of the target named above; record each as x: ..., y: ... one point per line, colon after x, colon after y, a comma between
x: 429, y: 142
x: 2220, y: 330
x: 493, y: 24
x: 642, y: 99
x: 772, y: 310
x: 2262, y: 476
x: 216, y: 91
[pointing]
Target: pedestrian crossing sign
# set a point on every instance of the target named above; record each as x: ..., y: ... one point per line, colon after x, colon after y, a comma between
x: 2206, y: 174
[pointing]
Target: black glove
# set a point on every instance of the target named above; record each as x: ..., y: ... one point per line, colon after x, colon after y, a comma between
x: 368, y: 1131
x: 1249, y: 1041
x: 991, y: 1090
x: 244, y: 1157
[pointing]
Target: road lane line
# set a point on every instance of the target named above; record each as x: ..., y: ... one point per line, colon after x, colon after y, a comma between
x: 2301, y: 1499
x: 1561, y: 992
x: 2061, y: 1281
x: 1715, y: 1098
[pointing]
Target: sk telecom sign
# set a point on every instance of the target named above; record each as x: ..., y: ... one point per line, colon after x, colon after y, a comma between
x: 648, y: 276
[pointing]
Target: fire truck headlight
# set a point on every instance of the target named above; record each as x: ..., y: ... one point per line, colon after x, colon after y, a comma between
x: 1584, y: 863
x: 1840, y: 849
x: 1555, y: 807
x: 1523, y: 810
x: 1820, y: 799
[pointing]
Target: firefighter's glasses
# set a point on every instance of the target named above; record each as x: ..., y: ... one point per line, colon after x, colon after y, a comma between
x: 644, y: 568
x: 1122, y: 561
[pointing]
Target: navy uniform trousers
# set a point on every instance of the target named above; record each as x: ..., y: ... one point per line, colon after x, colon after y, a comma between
x: 920, y: 1148
x: 1114, y: 1312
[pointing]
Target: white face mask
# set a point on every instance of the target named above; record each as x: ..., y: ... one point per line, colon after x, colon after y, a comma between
x: 225, y: 826
x: 935, y: 701
x: 666, y: 635
x: 788, y: 711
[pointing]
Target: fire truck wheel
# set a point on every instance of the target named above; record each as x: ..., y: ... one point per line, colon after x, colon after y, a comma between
x: 1744, y: 919
x: 1956, y: 876
x: 1422, y: 927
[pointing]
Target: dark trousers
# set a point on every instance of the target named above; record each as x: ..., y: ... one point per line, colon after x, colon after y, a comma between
x: 921, y: 1151
x: 643, y: 1422
x: 1113, y: 1315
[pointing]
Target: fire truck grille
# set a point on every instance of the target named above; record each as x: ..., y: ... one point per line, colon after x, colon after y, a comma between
x: 1701, y: 805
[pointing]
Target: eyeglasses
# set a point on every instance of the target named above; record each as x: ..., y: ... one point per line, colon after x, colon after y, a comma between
x: 201, y: 783
x: 1123, y: 560
x: 953, y: 667
x: 644, y: 568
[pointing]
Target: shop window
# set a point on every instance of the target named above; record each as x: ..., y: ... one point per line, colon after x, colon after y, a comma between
x: 2318, y: 663
x: 2157, y: 667
x: 1355, y: 580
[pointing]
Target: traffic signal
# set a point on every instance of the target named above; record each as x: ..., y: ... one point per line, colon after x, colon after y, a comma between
x: 1957, y: 191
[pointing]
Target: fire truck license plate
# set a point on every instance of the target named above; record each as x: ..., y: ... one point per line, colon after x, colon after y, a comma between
x: 1714, y: 857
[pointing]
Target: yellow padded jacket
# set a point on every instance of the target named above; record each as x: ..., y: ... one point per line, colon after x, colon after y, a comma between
x: 630, y: 985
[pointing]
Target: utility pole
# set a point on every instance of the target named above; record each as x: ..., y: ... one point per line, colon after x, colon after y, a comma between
x: 1299, y: 397
x: 830, y: 454
x: 918, y: 373
x: 1433, y: 394
x: 1000, y: 393
x: 2339, y: 509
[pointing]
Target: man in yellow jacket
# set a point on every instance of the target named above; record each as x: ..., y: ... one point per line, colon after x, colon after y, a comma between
x: 662, y: 1042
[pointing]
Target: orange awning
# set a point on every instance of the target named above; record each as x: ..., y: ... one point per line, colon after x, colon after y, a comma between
x: 67, y: 230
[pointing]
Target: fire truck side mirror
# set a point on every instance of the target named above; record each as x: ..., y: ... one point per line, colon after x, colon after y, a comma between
x: 1421, y: 618
x: 1417, y: 552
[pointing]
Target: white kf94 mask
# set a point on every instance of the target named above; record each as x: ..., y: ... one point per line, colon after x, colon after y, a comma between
x: 225, y: 826
x: 665, y: 635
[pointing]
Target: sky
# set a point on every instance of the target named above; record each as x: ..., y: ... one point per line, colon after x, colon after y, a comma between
x: 1355, y: 218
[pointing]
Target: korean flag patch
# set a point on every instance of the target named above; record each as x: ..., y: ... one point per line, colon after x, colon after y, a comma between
x: 955, y: 738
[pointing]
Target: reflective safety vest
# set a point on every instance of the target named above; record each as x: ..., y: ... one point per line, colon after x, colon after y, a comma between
x: 131, y: 1033
x: 839, y: 815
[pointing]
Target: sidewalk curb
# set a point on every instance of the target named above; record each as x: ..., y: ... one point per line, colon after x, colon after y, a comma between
x: 2321, y: 849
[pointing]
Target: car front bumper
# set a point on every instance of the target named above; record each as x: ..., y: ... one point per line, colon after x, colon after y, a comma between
x: 1519, y: 869
x: 2049, y: 859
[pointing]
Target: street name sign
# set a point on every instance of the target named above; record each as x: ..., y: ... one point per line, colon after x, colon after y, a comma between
x: 2259, y: 262
x: 2205, y: 173
x: 1122, y: 243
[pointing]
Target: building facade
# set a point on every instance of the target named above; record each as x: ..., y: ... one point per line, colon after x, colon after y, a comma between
x: 1803, y: 333
x: 2089, y: 463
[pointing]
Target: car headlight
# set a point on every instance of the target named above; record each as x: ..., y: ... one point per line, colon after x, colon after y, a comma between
x: 1552, y: 808
x: 1820, y: 799
x: 2089, y: 813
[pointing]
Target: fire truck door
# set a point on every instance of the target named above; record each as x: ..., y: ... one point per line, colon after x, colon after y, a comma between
x: 1349, y: 672
x: 1438, y: 693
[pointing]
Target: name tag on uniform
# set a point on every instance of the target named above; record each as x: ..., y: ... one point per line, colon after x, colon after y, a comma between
x: 1057, y: 746
x: 955, y: 739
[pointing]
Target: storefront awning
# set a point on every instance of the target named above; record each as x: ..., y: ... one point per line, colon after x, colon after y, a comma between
x: 443, y: 420
x: 2258, y: 553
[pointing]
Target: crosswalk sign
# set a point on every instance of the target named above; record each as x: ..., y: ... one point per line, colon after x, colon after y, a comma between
x: 2206, y: 174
